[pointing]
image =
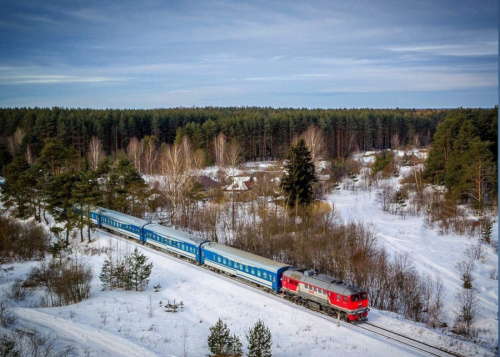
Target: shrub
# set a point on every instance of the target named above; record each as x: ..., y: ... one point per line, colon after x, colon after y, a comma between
x: 21, y: 241
x: 65, y: 283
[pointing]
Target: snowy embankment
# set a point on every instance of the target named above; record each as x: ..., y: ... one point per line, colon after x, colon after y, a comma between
x: 433, y: 254
x: 126, y: 323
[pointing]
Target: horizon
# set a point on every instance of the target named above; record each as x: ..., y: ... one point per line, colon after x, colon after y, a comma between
x: 280, y: 55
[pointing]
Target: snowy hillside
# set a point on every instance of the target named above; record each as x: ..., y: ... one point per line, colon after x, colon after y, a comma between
x: 122, y: 323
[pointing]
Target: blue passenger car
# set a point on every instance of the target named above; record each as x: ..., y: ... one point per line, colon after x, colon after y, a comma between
x: 182, y: 243
x: 120, y: 222
x: 263, y: 271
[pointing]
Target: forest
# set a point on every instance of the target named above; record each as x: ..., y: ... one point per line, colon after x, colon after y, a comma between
x: 263, y: 133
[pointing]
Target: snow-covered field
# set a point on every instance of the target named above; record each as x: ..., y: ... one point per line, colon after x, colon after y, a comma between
x: 126, y: 323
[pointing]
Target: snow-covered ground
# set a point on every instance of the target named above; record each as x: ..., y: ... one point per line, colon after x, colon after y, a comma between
x: 120, y: 323
x: 127, y: 323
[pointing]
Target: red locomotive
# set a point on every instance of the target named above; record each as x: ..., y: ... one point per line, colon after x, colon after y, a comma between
x: 322, y: 292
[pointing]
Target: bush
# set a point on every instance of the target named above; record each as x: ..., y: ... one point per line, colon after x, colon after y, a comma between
x: 65, y: 283
x: 21, y: 241
x: 382, y: 162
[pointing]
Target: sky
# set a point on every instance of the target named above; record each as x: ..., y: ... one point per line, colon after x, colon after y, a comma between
x: 299, y: 54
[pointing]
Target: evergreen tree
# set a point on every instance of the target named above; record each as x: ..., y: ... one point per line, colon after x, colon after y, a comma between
x: 235, y: 347
x: 15, y: 191
x: 219, y: 339
x: 5, y: 157
x: 139, y: 270
x: 300, y: 176
x: 86, y: 195
x: 259, y: 341
x: 60, y: 201
x: 8, y: 347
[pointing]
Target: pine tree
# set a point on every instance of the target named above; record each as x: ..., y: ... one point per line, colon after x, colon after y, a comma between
x: 139, y: 270
x: 235, y: 347
x: 300, y: 176
x: 219, y: 339
x: 259, y: 341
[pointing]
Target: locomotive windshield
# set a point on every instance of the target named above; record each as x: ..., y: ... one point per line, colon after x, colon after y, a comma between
x: 355, y: 297
x: 363, y: 296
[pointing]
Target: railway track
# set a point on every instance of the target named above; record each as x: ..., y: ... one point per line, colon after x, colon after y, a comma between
x: 366, y: 326
x: 407, y: 341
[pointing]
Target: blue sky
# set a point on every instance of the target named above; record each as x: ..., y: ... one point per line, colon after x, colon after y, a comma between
x: 313, y: 54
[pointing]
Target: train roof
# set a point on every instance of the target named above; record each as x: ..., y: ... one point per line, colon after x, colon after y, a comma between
x: 122, y: 217
x: 173, y: 233
x: 325, y: 282
x: 246, y: 258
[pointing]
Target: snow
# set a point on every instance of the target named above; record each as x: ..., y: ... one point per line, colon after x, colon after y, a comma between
x: 126, y: 323
x: 129, y: 323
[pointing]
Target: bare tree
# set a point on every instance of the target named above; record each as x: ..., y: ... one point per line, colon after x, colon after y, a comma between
x: 233, y: 160
x: 134, y: 152
x: 395, y: 142
x: 315, y: 142
x: 467, y: 310
x: 150, y: 152
x: 176, y: 162
x: 29, y: 155
x: 15, y: 141
x: 465, y: 267
x: 435, y: 295
x: 220, y: 149
x: 96, y: 153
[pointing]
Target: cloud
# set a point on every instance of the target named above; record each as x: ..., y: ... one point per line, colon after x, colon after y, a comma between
x: 473, y: 50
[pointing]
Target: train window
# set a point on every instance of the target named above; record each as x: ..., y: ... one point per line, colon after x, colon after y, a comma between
x: 355, y: 297
x: 338, y: 297
x: 253, y: 271
x: 346, y: 298
x: 265, y: 275
x: 258, y: 273
x: 363, y: 296
x: 246, y: 269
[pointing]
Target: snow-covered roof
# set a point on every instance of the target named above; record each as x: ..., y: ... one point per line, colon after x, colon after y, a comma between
x: 245, y: 257
x: 240, y: 183
x: 175, y: 234
x: 122, y: 217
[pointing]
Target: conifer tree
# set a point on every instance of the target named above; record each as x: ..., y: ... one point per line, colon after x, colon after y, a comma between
x: 139, y: 270
x: 219, y: 339
x: 235, y: 347
x: 259, y: 341
x: 300, y: 176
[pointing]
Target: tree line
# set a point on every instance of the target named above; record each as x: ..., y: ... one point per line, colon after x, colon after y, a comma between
x: 464, y: 157
x: 263, y: 133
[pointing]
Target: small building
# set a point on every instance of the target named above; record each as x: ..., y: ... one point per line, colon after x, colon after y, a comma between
x: 207, y: 183
x: 240, y: 184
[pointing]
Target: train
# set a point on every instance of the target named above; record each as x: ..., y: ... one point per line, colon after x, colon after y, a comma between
x: 306, y: 287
